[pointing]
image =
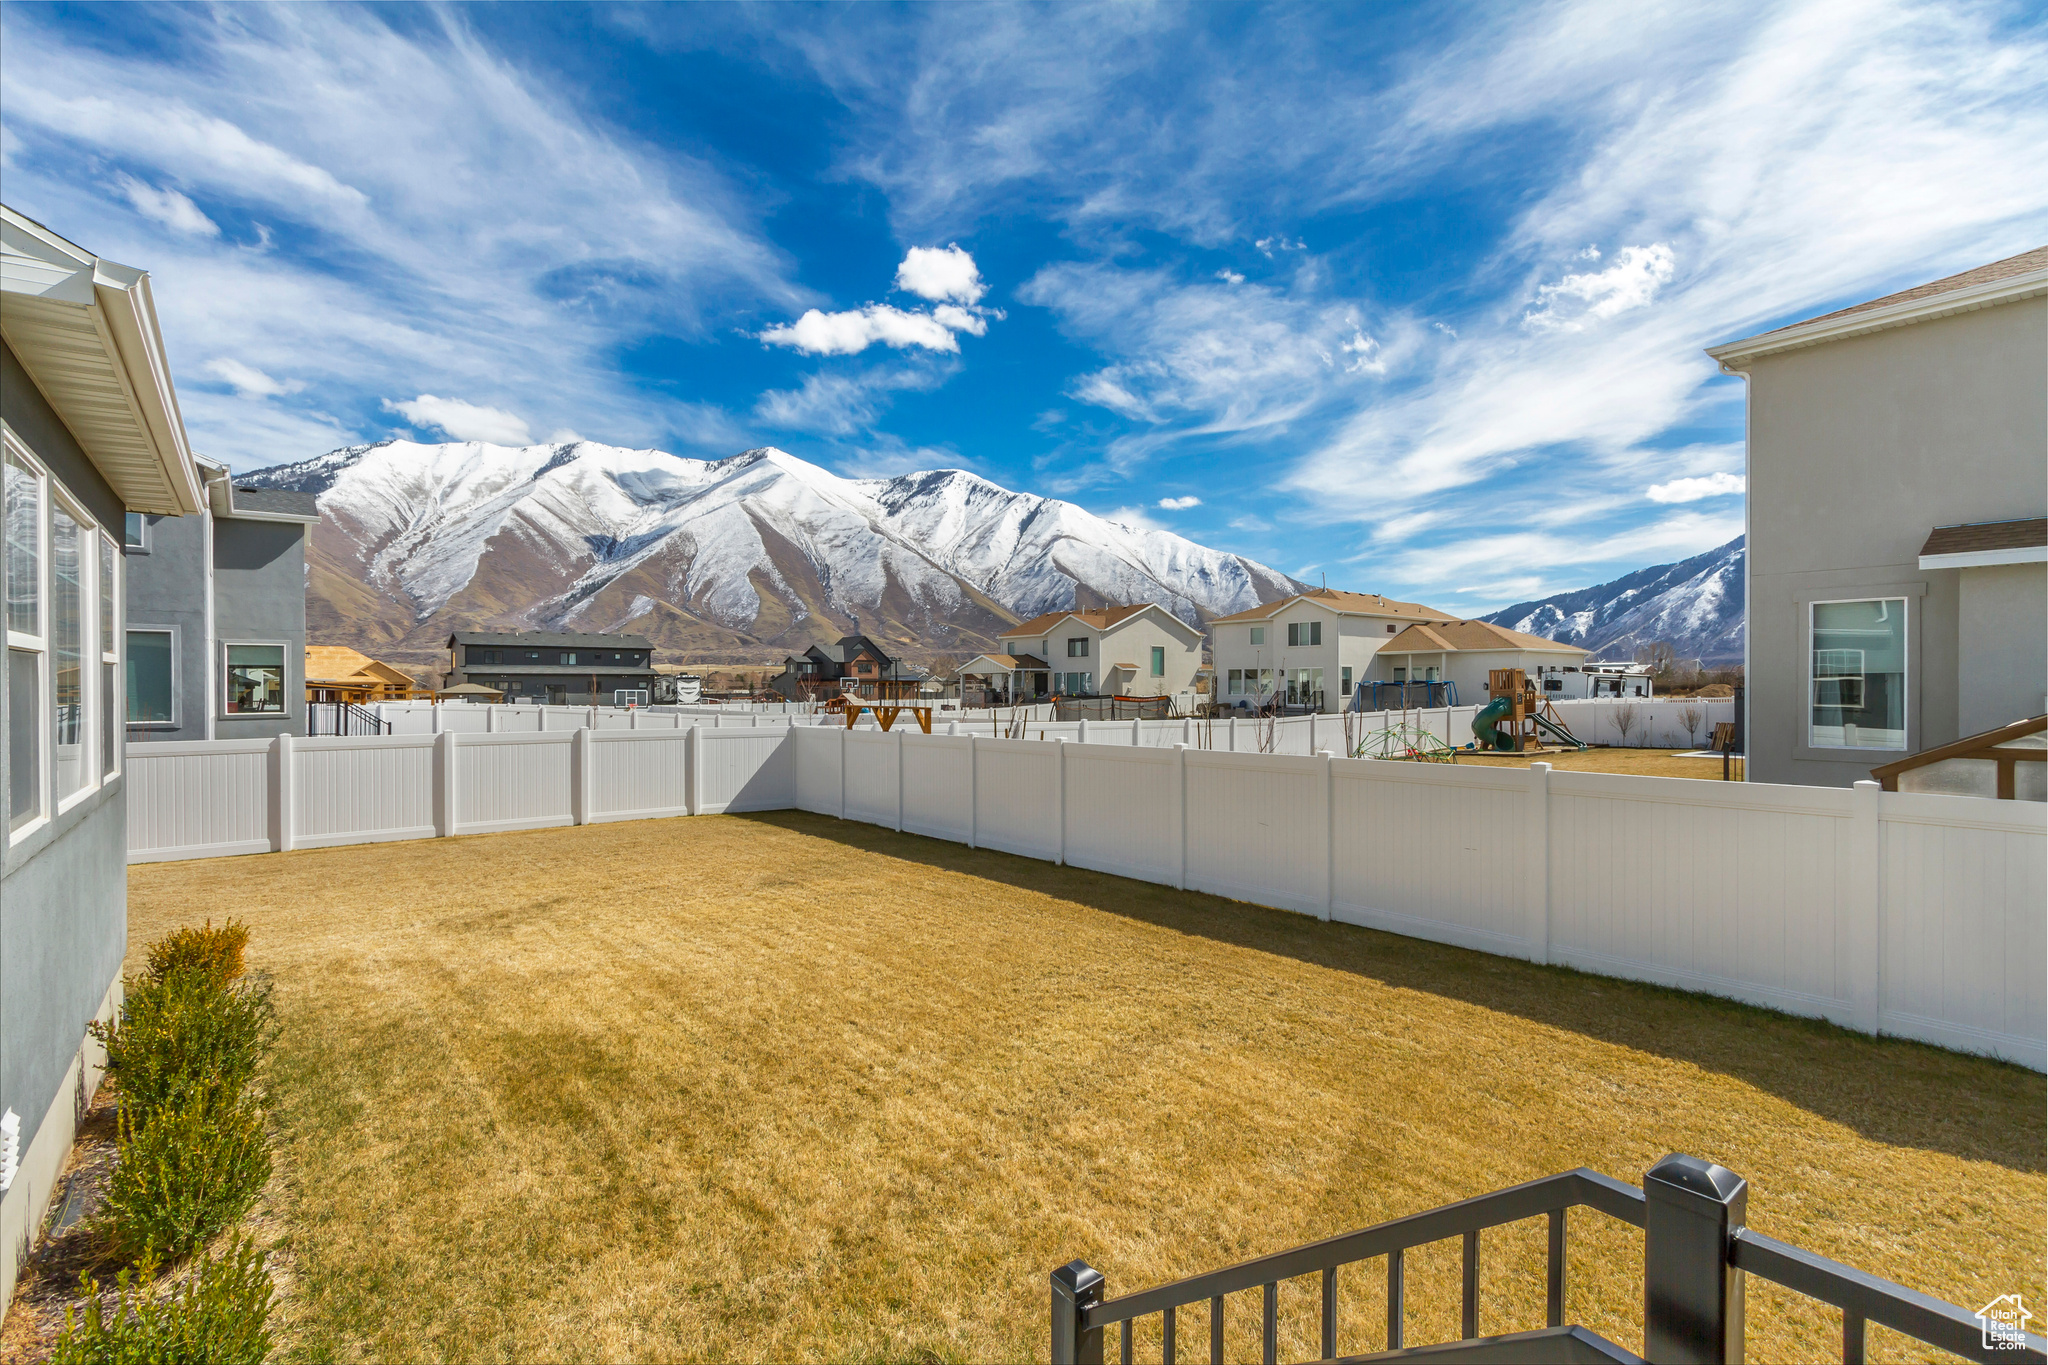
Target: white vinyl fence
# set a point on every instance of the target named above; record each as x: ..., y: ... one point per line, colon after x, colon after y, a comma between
x: 1922, y: 916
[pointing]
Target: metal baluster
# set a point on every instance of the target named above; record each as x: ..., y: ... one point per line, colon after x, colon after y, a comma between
x: 1269, y: 1350
x: 1852, y: 1337
x: 1216, y: 1330
x: 1470, y: 1326
x: 1125, y: 1353
x: 1394, y: 1300
x: 1329, y: 1313
x: 1555, y: 1316
x: 1166, y: 1356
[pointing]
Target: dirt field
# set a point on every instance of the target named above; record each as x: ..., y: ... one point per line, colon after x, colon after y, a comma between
x: 781, y: 1088
x: 1640, y: 762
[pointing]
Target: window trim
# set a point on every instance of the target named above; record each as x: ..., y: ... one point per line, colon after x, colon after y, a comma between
x: 177, y: 721
x: 34, y: 644
x: 114, y: 649
x: 89, y: 532
x: 1258, y: 635
x: 221, y: 663
x: 1158, y: 661
x: 1907, y: 679
x: 140, y: 547
x: 1080, y: 653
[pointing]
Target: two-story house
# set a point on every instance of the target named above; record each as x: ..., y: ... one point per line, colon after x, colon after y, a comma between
x: 1135, y: 651
x: 217, y: 614
x: 861, y: 669
x: 1898, y: 523
x: 1311, y: 649
x: 554, y: 668
x: 92, y: 435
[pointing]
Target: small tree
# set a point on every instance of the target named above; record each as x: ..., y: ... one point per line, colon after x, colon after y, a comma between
x: 1626, y: 715
x: 1691, y: 717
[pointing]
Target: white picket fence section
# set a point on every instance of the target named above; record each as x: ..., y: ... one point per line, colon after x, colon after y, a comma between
x: 1922, y: 916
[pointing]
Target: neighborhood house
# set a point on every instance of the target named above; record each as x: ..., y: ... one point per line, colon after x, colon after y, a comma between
x: 554, y: 668
x: 862, y: 670
x: 1136, y: 651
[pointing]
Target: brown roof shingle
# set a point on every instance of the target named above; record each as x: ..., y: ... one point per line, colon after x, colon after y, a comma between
x: 1977, y: 536
x: 2022, y: 264
x: 1345, y: 603
x: 1102, y: 618
x: 1456, y: 636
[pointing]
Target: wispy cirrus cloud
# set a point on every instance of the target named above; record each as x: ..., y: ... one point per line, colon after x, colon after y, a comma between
x: 397, y: 208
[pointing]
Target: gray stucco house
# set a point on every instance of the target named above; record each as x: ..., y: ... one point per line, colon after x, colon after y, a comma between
x: 216, y: 635
x: 92, y: 433
x: 1898, y: 565
x: 555, y: 668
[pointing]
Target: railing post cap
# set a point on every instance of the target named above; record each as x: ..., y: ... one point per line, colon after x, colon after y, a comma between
x: 1697, y: 1177
x: 1079, y: 1279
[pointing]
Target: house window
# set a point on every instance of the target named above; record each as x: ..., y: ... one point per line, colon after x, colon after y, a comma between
x: 1304, y: 632
x: 26, y: 646
x: 1076, y: 684
x: 1258, y: 635
x: 71, y: 731
x: 568, y: 658
x: 134, y: 531
x: 110, y: 659
x: 1158, y: 661
x: 1346, y: 674
x: 255, y: 680
x: 1390, y: 627
x: 1858, y: 677
x: 1077, y: 647
x: 152, y: 679
x: 1305, y: 687
x: 489, y: 656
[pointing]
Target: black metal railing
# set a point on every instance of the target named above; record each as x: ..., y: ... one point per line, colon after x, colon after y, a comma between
x: 1696, y: 1252
x: 343, y: 718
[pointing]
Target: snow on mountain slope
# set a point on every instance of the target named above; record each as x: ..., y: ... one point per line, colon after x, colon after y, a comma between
x: 1695, y: 604
x: 745, y: 558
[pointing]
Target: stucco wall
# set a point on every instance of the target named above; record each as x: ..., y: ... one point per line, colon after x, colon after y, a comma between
x: 2001, y: 644
x: 259, y: 595
x: 167, y: 588
x: 64, y: 886
x: 1857, y: 449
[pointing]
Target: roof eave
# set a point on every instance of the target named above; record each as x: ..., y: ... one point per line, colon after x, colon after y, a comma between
x: 1734, y: 356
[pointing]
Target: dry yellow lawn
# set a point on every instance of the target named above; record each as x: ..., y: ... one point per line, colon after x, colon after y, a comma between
x: 780, y: 1088
x: 1639, y: 762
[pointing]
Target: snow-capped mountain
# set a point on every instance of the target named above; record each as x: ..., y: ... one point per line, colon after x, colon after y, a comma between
x: 1695, y: 604
x: 738, y: 560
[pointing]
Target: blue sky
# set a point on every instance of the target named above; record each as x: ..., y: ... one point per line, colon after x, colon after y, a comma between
x: 1411, y: 298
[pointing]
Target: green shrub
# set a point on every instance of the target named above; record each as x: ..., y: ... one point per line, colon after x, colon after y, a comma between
x: 186, y: 1036
x: 216, y: 952
x: 219, y: 1317
x: 182, y: 1174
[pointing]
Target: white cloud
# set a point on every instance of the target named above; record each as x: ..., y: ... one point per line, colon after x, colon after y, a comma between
x: 1574, y: 301
x: 248, y: 381
x: 820, y: 333
x: 1133, y: 519
x: 168, y: 207
x: 960, y: 320
x: 1250, y: 523
x: 564, y: 436
x: 941, y: 274
x: 1368, y: 352
x: 1230, y: 277
x: 398, y: 168
x: 1692, y: 490
x: 1180, y: 504
x: 464, y: 421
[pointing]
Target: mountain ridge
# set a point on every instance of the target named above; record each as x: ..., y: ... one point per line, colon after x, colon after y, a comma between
x: 1694, y: 604
x: 739, y: 560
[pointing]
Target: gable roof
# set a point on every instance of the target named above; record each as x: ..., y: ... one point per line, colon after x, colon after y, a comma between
x: 850, y: 645
x: 1096, y: 618
x: 1454, y: 637
x: 339, y: 663
x: 1986, y: 542
x: 1343, y: 603
x: 2016, y: 277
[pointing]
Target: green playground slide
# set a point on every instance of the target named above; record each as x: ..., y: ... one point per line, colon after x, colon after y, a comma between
x: 1567, y: 736
x: 1485, y: 725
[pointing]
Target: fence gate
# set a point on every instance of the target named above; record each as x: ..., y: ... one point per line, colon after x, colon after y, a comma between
x: 1696, y: 1253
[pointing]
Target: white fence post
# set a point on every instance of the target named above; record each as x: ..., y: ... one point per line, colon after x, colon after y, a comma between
x: 1137, y: 734
x: 899, y: 781
x: 974, y: 791
x: 1180, y: 810
x: 1060, y: 757
x: 281, y: 793
x: 1081, y: 731
x: 434, y: 721
x: 1866, y: 908
x: 1329, y: 824
x: 543, y: 718
x: 490, y: 720
x: 842, y: 772
x: 579, y: 777
x: 1233, y: 734
x: 1536, y: 826
x: 444, y: 782
x: 693, y: 771
x: 632, y: 718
